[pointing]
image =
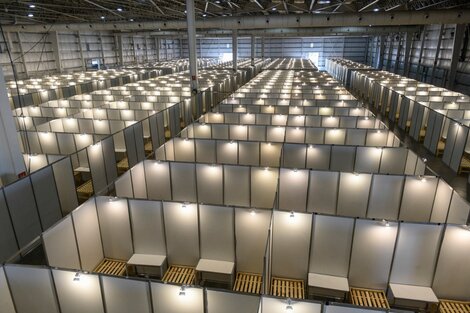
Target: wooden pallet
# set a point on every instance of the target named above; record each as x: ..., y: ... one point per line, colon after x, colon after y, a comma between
x: 287, y: 288
x: 441, y: 145
x: 178, y: 274
x: 451, y: 306
x: 123, y: 165
x: 148, y: 147
x: 369, y: 298
x: 111, y: 267
x: 465, y: 164
x: 248, y: 282
x: 85, y: 189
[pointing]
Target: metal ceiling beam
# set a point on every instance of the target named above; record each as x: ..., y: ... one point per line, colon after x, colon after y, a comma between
x: 368, y: 5
x: 273, y: 21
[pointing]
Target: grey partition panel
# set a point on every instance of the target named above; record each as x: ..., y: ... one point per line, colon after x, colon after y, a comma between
x: 353, y: 194
x: 393, y: 160
x: 322, y: 192
x: 342, y: 158
x: 97, y: 167
x: 60, y: 245
x: 78, y: 296
x: 249, y: 153
x: 65, y: 184
x: 148, y: 233
x: 31, y: 289
x: 124, y: 295
x: 349, y: 309
x: 293, y: 189
x: 110, y: 159
x: 318, y: 157
x: 131, y: 149
x: 174, y: 120
x: 416, y: 254
x: 182, y: 236
x: 458, y: 210
x: 251, y: 232
x: 183, y: 181
x: 138, y: 181
x: 166, y: 298
x: 236, y: 185
x: 331, y: 245
x: 291, y: 241
x: 418, y: 208
x: 385, y: 197
x: 459, y: 148
x: 139, y: 141
x: 454, y: 254
x: 216, y: 227
x: 87, y: 232
x: 113, y: 216
x: 6, y: 301
x: 23, y: 211
x: 441, y: 203
x: 157, y: 176
x: 8, y: 243
x: 451, y: 139
x: 276, y: 305
x: 263, y: 187
x: 436, y: 132
x: 228, y: 302
x: 209, y: 183
x: 123, y: 186
x: 372, y: 254
x: 205, y: 151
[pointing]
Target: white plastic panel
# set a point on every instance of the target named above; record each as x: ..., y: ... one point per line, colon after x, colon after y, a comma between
x: 124, y: 295
x: 415, y: 208
x: 182, y: 236
x: 459, y: 210
x: 368, y: 159
x: 113, y: 215
x: 293, y: 189
x: 236, y: 185
x: 157, y: 176
x: 8, y: 244
x: 372, y: 254
x: 183, y: 181
x: 138, y: 183
x: 217, y: 233
x: 331, y: 245
x: 323, y: 191
x: 78, y: 296
x: 31, y: 289
x: 166, y: 299
x: 385, y: 197
x: 291, y: 241
x: 274, y: 305
x: 148, y: 232
x: 353, y: 194
x: 441, y: 202
x: 227, y: 152
x: 416, y: 254
x: 60, y: 245
x: 251, y: 232
x: 318, y: 157
x: 229, y: 302
x: 454, y: 254
x: 209, y: 183
x: 263, y: 187
x: 6, y: 302
x: 342, y: 158
x: 88, y: 235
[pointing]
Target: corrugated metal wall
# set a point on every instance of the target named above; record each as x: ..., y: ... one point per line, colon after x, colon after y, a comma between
x: 394, y: 56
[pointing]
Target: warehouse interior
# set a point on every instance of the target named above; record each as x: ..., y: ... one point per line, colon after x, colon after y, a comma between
x: 255, y: 156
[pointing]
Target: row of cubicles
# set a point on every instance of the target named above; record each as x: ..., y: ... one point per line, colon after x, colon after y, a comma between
x: 435, y: 116
x: 299, y: 214
x: 34, y: 203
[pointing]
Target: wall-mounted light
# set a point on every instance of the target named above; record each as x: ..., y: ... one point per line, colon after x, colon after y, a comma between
x: 292, y: 214
x: 289, y: 306
x: 182, y: 291
x: 112, y: 199
x: 466, y: 227
x: 385, y: 223
x: 356, y: 174
x: 76, y: 277
x: 422, y: 178
x: 252, y: 212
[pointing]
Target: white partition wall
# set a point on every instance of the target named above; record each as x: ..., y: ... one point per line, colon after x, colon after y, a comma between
x: 251, y: 232
x: 60, y: 245
x: 124, y: 296
x: 31, y: 289
x: 231, y: 302
x: 78, y: 295
x: 6, y: 301
x: 275, y: 305
x: 452, y: 271
x: 353, y: 193
x: 181, y: 228
x: 291, y: 241
x: 167, y: 298
x: 372, y: 254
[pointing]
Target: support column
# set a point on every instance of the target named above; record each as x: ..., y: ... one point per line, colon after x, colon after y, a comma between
x: 234, y: 49
x: 456, y: 48
x: 55, y: 48
x: 180, y: 40
x: 80, y: 49
x: 11, y: 160
x: 408, y: 44
x: 191, y: 25
x: 102, y: 49
x: 253, y: 45
x: 121, y: 50
x: 419, y: 72
x: 146, y: 49
x: 397, y: 59
x: 389, y: 54
x: 23, y: 59
x: 438, y: 50
x: 380, y: 53
x: 134, y: 50
x: 157, y: 48
x: 262, y: 48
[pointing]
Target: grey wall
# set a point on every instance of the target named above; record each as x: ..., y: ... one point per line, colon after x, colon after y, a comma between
x: 394, y: 56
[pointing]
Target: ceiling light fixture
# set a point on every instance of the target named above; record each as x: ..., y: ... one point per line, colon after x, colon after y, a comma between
x: 30, y: 15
